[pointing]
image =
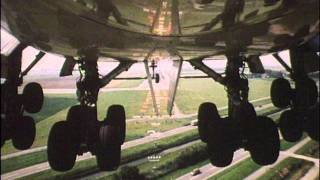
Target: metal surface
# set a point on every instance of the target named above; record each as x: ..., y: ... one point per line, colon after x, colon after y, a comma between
x: 64, y: 27
x: 174, y: 81
x: 154, y: 102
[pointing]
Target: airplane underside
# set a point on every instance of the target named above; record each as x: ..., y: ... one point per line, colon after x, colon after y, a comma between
x: 82, y: 132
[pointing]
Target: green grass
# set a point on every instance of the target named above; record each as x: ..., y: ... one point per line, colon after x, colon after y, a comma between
x: 138, y: 129
x: 238, y: 171
x: 180, y: 172
x: 173, y: 161
x: 135, y: 129
x: 131, y: 100
x: 193, y: 92
x: 53, y: 104
x: 89, y: 166
x: 130, y: 83
x: 23, y: 161
x: 286, y: 169
x: 292, y: 168
x: 310, y: 149
x: 246, y: 167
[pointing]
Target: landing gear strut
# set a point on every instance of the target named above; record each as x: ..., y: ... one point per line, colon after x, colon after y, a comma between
x: 14, y: 124
x: 82, y: 131
x: 242, y: 128
x: 302, y: 100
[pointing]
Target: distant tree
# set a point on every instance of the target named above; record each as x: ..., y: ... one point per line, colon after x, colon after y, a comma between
x: 129, y: 173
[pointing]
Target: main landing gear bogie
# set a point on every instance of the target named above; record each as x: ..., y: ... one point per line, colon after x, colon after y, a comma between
x: 257, y: 134
x: 85, y: 132
x: 101, y: 138
x: 302, y: 115
x: 16, y: 126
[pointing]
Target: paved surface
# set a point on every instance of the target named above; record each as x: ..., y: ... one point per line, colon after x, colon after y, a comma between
x: 140, y: 161
x: 45, y: 166
x: 312, y: 174
x: 23, y: 152
x: 209, y: 169
x: 264, y: 169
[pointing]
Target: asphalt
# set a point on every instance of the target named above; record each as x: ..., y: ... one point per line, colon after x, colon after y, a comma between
x: 45, y: 166
x: 209, y: 170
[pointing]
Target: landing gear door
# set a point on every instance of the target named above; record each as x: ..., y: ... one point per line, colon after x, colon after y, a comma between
x: 173, y: 83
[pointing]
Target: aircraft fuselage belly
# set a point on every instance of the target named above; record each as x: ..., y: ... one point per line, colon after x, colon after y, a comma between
x: 64, y: 27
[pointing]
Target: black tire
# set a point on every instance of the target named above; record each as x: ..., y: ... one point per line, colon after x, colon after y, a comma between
x: 62, y: 147
x: 157, y: 78
x: 280, y: 93
x: 24, y: 133
x: 111, y: 134
x: 312, y: 123
x: 108, y: 158
x: 306, y: 93
x: 220, y: 158
x: 32, y: 97
x: 116, y: 117
x: 246, y: 115
x: 290, y: 127
x: 266, y: 144
x: 221, y: 142
x: 207, y: 112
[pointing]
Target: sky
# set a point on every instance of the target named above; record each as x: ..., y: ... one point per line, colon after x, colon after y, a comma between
x: 51, y: 64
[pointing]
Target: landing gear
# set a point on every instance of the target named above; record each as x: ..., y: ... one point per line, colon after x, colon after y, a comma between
x: 302, y: 100
x: 62, y: 147
x: 155, y: 76
x: 82, y: 131
x: 242, y: 128
x: 32, y: 97
x: 281, y: 93
x: 266, y: 147
x: 112, y: 136
x: 14, y: 124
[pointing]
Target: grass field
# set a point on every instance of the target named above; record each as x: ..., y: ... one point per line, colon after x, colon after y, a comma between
x: 56, y: 106
x: 130, y: 154
x: 87, y: 166
x: 246, y: 167
x: 129, y: 83
x: 135, y: 129
x: 58, y: 110
x: 292, y: 168
x: 192, y: 93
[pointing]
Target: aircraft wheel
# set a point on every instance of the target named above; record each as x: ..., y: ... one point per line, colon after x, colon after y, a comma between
x: 220, y: 143
x: 24, y: 133
x: 207, y: 112
x: 108, y: 157
x: 62, y: 147
x: 157, y: 78
x: 32, y: 97
x: 115, y: 117
x: 289, y: 126
x: 220, y: 158
x: 280, y: 93
x: 246, y: 115
x: 306, y: 93
x: 266, y: 144
x: 312, y: 123
x: 112, y: 134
